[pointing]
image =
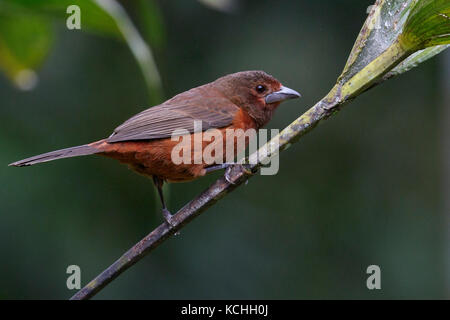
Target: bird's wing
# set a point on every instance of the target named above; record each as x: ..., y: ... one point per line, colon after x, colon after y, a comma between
x: 178, y: 113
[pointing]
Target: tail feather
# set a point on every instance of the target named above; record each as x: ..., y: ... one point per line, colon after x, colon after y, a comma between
x: 58, y: 154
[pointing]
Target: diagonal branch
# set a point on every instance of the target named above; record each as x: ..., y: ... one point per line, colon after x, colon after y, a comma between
x: 238, y: 175
x: 373, y: 68
x: 193, y: 209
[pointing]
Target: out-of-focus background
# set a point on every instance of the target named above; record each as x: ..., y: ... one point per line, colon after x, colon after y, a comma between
x: 368, y: 186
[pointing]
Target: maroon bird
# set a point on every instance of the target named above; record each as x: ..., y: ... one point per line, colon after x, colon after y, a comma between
x: 243, y: 100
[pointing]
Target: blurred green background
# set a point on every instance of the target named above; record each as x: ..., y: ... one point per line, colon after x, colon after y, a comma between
x: 366, y: 187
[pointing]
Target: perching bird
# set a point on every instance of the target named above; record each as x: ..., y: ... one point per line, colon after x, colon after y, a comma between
x: 243, y: 100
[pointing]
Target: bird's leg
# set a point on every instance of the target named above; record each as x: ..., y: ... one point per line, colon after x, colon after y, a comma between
x: 166, y: 213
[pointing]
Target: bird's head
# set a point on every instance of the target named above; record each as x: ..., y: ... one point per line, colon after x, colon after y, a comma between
x: 256, y: 92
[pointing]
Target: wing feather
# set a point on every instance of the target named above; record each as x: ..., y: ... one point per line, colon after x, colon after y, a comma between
x: 177, y: 113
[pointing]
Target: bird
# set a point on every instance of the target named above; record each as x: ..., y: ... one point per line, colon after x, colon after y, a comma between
x: 243, y: 100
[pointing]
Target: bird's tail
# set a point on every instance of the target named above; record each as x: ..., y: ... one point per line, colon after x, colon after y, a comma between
x: 84, y: 150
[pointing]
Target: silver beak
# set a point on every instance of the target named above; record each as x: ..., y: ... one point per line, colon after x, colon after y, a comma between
x: 283, y: 94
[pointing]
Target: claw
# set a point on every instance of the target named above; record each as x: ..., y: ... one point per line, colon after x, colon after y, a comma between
x: 168, y: 217
x: 227, y: 175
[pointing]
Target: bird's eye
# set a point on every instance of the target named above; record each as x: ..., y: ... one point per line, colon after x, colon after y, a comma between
x: 260, y: 88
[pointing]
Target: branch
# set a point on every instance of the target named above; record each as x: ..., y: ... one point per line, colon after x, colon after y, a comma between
x: 237, y: 175
x: 372, y: 58
x: 193, y: 209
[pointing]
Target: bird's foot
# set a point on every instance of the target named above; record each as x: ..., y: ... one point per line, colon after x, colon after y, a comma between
x: 244, y: 167
x: 168, y: 217
x: 227, y: 175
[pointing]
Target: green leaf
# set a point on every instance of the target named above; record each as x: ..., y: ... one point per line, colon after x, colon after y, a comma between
x: 93, y: 17
x: 394, y: 31
x: 428, y: 24
x: 415, y: 59
x: 100, y: 16
x: 381, y: 29
x: 25, y: 41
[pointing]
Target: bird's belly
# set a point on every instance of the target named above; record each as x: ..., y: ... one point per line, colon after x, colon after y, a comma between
x: 175, y: 161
